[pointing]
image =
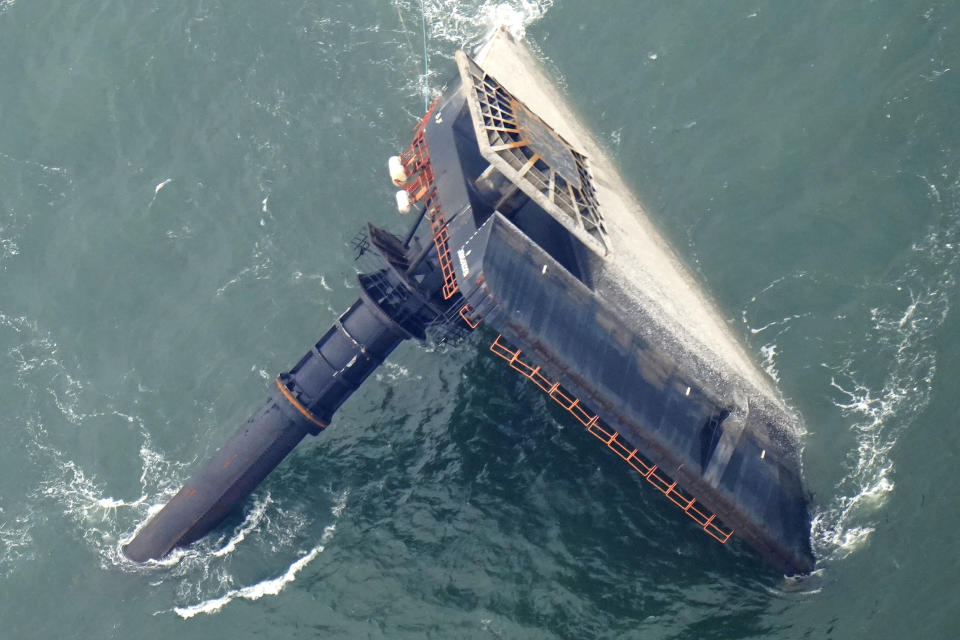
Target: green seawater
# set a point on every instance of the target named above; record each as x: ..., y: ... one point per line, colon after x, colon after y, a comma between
x: 179, y: 185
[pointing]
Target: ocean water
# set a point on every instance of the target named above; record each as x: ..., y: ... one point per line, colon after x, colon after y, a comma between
x: 179, y: 184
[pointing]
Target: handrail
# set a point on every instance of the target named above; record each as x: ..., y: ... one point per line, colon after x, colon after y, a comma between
x: 650, y: 472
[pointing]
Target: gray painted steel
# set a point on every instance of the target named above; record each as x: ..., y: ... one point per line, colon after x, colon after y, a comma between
x: 742, y: 468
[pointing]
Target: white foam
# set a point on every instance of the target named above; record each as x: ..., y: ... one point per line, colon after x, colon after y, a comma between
x: 100, y: 517
x: 256, y: 591
x: 16, y: 542
x: 880, y: 407
x: 466, y: 24
x: 8, y: 247
x: 272, y: 586
x: 769, y: 354
x: 250, y: 522
x: 394, y: 372
x: 340, y: 504
x: 457, y: 24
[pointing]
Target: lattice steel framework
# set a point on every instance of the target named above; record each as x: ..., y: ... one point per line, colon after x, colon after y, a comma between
x: 533, y: 156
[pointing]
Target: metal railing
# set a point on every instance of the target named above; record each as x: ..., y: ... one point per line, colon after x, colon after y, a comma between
x: 650, y: 472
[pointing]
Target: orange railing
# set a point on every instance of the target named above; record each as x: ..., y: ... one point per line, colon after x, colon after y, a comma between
x: 630, y: 455
x: 438, y: 223
x: 466, y: 312
x: 416, y: 161
x: 416, y: 164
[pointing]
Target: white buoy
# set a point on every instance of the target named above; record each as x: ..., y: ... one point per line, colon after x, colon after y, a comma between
x: 403, y: 201
x: 397, y: 172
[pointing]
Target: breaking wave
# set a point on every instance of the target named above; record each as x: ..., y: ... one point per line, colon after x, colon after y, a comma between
x: 881, y: 409
x: 442, y: 26
x: 105, y: 522
x: 881, y: 386
x: 272, y: 586
x: 51, y: 388
x: 256, y: 591
x: 467, y: 23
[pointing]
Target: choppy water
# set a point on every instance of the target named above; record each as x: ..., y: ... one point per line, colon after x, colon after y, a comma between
x: 179, y: 182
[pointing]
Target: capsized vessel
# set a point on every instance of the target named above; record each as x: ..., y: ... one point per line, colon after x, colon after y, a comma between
x: 522, y: 223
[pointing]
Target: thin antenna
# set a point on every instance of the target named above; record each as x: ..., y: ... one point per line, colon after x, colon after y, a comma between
x: 426, y: 60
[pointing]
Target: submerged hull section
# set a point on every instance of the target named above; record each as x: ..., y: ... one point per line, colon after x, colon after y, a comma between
x: 717, y: 450
x: 599, y: 303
